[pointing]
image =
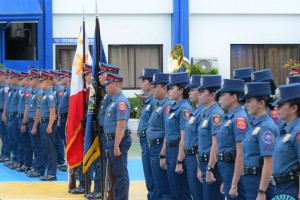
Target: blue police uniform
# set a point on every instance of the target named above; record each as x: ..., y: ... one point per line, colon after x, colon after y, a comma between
x: 232, y: 130
x: 174, y: 124
x: 141, y: 132
x: 36, y: 142
x: 5, y: 141
x: 8, y: 133
x: 286, y: 154
x: 118, y: 109
x: 48, y: 140
x: 25, y: 147
x: 258, y: 143
x: 208, y: 123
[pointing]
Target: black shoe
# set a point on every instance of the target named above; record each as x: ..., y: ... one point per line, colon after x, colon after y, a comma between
x: 31, y: 170
x: 78, y: 190
x: 23, y: 169
x: 93, y: 195
x: 63, y: 168
x: 48, y: 178
x: 2, y: 159
x: 34, y: 174
x: 14, y: 166
x: 8, y: 163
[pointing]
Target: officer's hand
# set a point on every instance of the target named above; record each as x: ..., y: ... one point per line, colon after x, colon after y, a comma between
x: 199, y: 175
x: 233, y: 192
x: 162, y: 163
x: 261, y: 196
x: 3, y: 117
x: 23, y: 128
x: 33, y: 131
x: 117, y: 151
x: 49, y: 130
x: 179, y: 168
x: 210, y: 178
x: 222, y: 189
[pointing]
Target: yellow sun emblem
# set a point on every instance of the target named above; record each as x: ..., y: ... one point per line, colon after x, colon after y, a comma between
x: 78, y: 63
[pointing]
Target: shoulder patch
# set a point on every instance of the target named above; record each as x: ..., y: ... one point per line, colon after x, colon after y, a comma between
x: 268, y: 137
x: 298, y: 137
x: 274, y: 113
x: 186, y: 114
x: 217, y: 120
x: 122, y: 105
x: 27, y: 95
x: 51, y: 97
x: 241, y: 123
x: 167, y: 109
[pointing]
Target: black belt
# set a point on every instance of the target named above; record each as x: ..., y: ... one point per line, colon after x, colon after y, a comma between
x: 203, y: 157
x: 154, y: 142
x: 12, y: 114
x: 251, y: 170
x: 172, y: 143
x: 111, y: 136
x: 141, y: 134
x: 192, y: 151
x: 227, y: 157
x: 292, y: 175
x: 63, y: 116
x: 30, y: 119
x: 101, y: 130
x: 20, y: 116
x: 43, y: 120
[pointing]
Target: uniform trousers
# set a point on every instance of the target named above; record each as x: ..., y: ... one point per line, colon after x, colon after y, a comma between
x: 5, y: 140
x: 14, y: 133
x: 25, y: 148
x: 60, y: 141
x: 288, y: 188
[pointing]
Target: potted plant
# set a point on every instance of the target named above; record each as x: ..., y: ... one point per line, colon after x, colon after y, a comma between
x: 135, y: 113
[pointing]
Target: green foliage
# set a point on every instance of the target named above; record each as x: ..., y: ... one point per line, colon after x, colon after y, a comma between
x: 2, y: 66
x: 196, y: 69
x: 136, y: 107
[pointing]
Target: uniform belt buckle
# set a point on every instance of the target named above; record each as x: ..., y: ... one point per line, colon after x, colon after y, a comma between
x: 243, y: 172
x: 272, y: 180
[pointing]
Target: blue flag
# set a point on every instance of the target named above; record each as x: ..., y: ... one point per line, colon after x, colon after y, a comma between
x: 91, y: 139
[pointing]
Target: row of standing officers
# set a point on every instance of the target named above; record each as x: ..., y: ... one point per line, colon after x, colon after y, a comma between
x: 235, y: 142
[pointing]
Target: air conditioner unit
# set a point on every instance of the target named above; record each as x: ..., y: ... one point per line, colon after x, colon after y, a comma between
x: 207, y: 63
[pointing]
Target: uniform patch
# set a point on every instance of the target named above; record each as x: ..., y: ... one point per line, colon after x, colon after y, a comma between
x: 122, y: 105
x: 217, y: 120
x: 60, y: 92
x: 256, y: 130
x: 227, y: 123
x: 108, y: 114
x: 240, y: 123
x: 204, y: 124
x: 27, y: 94
x: 171, y: 116
x: 44, y: 97
x: 6, y: 89
x: 274, y: 113
x: 51, y: 97
x: 158, y: 109
x: 186, y: 114
x: 192, y: 119
x: 9, y: 94
x: 298, y: 137
x: 148, y: 107
x: 268, y: 137
x: 286, y: 137
x: 167, y: 109
x: 39, y: 98
x: 65, y: 93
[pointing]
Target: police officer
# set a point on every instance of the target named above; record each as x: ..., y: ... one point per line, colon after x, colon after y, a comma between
x: 62, y: 118
x: 117, y: 134
x: 25, y: 147
x: 229, y: 138
x: 174, y: 127
x: 207, y: 127
x: 33, y: 119
x: 259, y: 142
x: 48, y: 126
x: 147, y: 109
x: 286, y: 154
x: 191, y: 139
x: 243, y: 73
x: 4, y: 137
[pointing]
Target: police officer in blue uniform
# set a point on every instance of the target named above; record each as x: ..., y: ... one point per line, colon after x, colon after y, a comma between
x: 286, y: 154
x: 174, y: 135
x: 4, y: 137
x: 156, y: 133
x: 292, y: 79
x: 147, y: 109
x: 33, y: 120
x: 191, y: 139
x: 117, y: 134
x: 208, y: 125
x: 48, y: 126
x: 229, y: 138
x: 259, y: 142
x: 25, y: 147
x: 243, y: 73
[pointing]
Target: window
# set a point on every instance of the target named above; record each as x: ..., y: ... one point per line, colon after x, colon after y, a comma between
x: 64, y: 56
x: 21, y: 41
x: 132, y: 59
x: 264, y: 56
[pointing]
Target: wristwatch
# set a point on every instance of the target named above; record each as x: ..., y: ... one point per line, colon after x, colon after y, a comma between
x: 261, y: 191
x: 210, y: 169
x: 162, y: 156
x: 233, y: 186
x: 179, y: 162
